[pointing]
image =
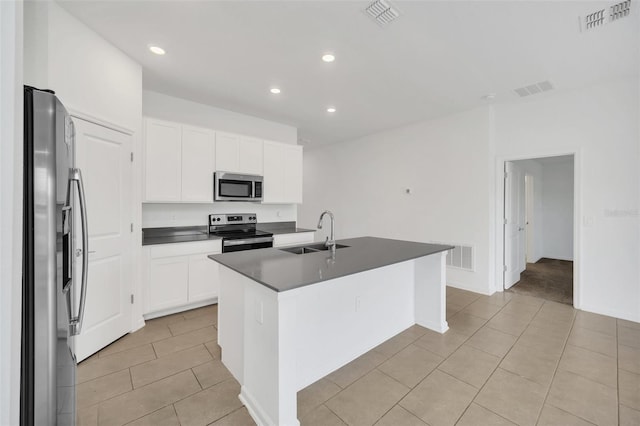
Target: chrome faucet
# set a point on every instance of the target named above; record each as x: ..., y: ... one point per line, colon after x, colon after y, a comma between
x: 330, y: 241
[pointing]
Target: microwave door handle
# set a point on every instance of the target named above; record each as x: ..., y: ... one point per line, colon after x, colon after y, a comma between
x: 76, y: 322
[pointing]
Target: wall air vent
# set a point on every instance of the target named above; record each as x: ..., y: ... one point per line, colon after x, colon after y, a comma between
x: 533, y: 89
x: 601, y: 17
x: 382, y: 12
x: 460, y: 257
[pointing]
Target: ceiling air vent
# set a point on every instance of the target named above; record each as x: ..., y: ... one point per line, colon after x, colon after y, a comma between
x: 533, y: 89
x: 619, y: 10
x: 598, y: 18
x: 382, y: 12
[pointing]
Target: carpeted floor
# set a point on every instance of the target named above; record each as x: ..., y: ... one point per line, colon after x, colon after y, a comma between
x: 549, y: 279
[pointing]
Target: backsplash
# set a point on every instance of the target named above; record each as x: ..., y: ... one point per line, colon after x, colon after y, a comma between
x: 161, y: 215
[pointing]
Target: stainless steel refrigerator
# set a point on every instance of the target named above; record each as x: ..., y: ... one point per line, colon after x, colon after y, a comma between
x: 54, y: 281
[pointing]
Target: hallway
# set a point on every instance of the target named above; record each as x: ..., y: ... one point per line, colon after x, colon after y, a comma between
x: 548, y: 279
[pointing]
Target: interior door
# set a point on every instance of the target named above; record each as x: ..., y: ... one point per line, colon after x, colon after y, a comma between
x: 103, y: 155
x: 529, y: 218
x: 522, y: 217
x: 513, y: 244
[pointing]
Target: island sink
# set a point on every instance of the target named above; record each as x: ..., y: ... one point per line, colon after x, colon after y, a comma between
x: 314, y: 248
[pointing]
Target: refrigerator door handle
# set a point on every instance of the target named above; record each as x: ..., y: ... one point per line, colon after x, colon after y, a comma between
x: 75, y: 323
x: 67, y: 249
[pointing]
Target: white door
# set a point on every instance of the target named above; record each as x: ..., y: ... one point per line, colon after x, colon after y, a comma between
x: 529, y: 218
x: 522, y: 238
x: 103, y: 155
x: 513, y: 244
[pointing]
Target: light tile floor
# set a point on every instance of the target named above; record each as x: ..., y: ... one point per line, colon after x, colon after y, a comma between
x: 507, y: 359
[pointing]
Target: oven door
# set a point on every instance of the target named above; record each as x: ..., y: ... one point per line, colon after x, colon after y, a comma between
x: 246, y: 244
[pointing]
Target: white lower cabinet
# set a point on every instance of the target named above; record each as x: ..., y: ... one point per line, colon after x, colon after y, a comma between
x: 202, y: 284
x: 168, y: 279
x: 282, y: 240
x: 179, y: 276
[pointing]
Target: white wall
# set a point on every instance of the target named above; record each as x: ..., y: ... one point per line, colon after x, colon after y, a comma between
x: 453, y: 166
x: 166, y: 107
x: 88, y: 74
x: 600, y: 124
x: 445, y: 163
x: 557, y: 210
x: 161, y: 215
x: 93, y: 79
x: 11, y: 132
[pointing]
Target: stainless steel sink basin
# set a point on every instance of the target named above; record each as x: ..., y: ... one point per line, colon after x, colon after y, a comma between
x: 313, y: 248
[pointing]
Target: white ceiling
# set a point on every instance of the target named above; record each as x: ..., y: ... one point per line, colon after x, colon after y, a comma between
x: 439, y: 57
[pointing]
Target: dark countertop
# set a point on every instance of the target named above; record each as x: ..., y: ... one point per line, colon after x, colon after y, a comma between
x: 185, y: 234
x: 281, y: 271
x: 179, y: 234
x: 282, y: 228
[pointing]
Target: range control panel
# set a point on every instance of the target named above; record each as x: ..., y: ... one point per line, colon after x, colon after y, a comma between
x: 232, y: 219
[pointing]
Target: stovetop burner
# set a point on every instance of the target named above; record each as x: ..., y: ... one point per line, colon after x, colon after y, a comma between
x: 235, y: 226
x: 238, y: 232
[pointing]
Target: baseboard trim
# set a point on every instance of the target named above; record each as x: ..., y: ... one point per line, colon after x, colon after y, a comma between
x: 182, y: 308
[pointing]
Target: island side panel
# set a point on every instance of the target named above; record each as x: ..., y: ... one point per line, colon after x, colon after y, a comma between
x: 231, y: 321
x: 430, y: 292
x: 341, y: 319
x: 269, y: 388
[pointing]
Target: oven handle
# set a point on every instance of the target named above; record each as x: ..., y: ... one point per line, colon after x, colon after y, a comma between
x: 229, y: 243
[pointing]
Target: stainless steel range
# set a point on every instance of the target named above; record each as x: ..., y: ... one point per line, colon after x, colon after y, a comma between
x: 238, y: 232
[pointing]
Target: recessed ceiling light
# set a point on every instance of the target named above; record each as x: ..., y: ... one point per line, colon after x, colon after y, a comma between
x: 331, y: 109
x: 328, y: 57
x: 274, y: 90
x: 157, y: 50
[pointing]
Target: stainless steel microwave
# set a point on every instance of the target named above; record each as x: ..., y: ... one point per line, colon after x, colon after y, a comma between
x: 236, y: 187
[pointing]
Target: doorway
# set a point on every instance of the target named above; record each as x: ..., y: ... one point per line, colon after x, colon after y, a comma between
x: 539, y: 227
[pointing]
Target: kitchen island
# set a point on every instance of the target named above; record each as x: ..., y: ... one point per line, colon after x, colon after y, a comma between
x: 286, y: 320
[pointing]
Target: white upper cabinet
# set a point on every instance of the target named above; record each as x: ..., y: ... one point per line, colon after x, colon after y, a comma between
x: 179, y: 161
x: 227, y: 152
x: 251, y: 155
x: 198, y: 147
x: 282, y: 173
x: 162, y: 159
x: 292, y: 166
x: 238, y: 154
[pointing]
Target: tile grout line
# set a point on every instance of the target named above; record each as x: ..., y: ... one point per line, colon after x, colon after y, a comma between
x: 507, y: 353
x: 555, y: 371
x: 441, y: 362
x: 473, y: 400
x: 617, y: 373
